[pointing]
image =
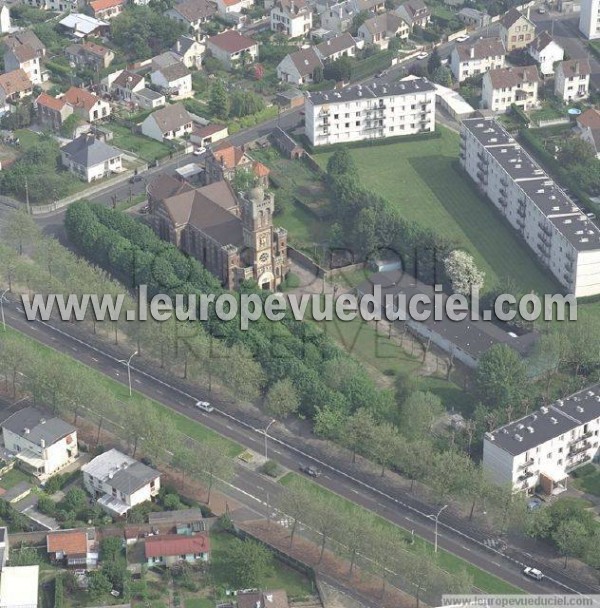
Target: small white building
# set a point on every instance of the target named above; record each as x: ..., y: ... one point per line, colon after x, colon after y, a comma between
x: 87, y: 105
x: 291, y: 17
x: 232, y: 49
x: 589, y: 19
x: 477, y: 57
x: 19, y: 587
x: 171, y: 122
x: 299, y: 67
x: 81, y: 25
x: 122, y: 84
x: 229, y: 7
x: 572, y: 80
x: 119, y: 482
x: 148, y: 99
x: 190, y: 51
x: 174, y: 79
x: 546, y: 52
x: 505, y: 86
x: 4, y: 547
x: 42, y: 445
x: 5, y: 24
x: 192, y: 13
x: 90, y: 158
x: 24, y: 57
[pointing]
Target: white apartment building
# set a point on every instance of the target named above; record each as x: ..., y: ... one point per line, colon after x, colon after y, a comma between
x: 478, y: 57
x: 119, y: 482
x: 564, y: 239
x: 542, y: 448
x: 505, y: 86
x: 546, y: 52
x: 291, y: 17
x: 589, y: 19
x: 572, y: 82
x: 363, y: 112
x: 42, y: 445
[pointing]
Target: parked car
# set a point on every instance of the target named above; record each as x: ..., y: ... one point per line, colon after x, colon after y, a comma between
x: 135, y: 178
x: 310, y: 470
x: 422, y: 55
x: 199, y: 150
x: 462, y: 38
x: 205, y: 406
x: 592, y: 216
x: 541, y: 10
x: 533, y: 573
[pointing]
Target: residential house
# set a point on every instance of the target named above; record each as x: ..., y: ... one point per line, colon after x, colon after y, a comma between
x: 299, y: 67
x: 572, y: 80
x: 231, y: 235
x: 5, y: 24
x: 171, y: 122
x: 546, y: 52
x: 148, y: 99
x: 28, y: 38
x: 24, y: 57
x: 557, y: 231
x: 181, y: 521
x: 338, y: 17
x: 228, y: 7
x: 262, y: 599
x: 504, y: 86
x: 4, y: 547
x: 362, y: 112
x: 122, y: 84
x: 118, y: 482
x: 473, y: 18
x: 331, y: 49
x: 80, y: 25
x: 73, y: 548
x: 58, y: 6
x: 43, y: 445
x: 193, y: 13
x: 291, y: 17
x: 208, y: 134
x: 19, y: 587
x: 588, y: 127
x: 415, y: 13
x: 170, y: 549
x: 477, y: 57
x: 87, y: 105
x: 589, y: 19
x: 379, y: 30
x: 52, y: 111
x: 90, y: 159
x: 106, y: 9
x: 232, y: 49
x: 286, y: 145
x: 174, y: 79
x: 190, y: 51
x: 14, y: 86
x: 544, y: 447
x: 89, y: 55
x: 516, y: 30
x: 222, y: 162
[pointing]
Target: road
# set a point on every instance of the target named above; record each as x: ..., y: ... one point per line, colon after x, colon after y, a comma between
x: 404, y: 510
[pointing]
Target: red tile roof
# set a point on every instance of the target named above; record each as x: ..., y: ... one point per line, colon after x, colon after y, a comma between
x: 232, y: 41
x: 228, y: 155
x: 50, y: 102
x: 590, y: 118
x: 176, y: 544
x: 80, y: 98
x: 70, y: 542
x: 102, y: 5
x: 260, y: 170
x: 13, y: 82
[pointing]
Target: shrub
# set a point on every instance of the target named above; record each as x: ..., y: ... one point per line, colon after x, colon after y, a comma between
x: 270, y: 468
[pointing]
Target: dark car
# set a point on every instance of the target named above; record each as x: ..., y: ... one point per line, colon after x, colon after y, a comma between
x: 310, y: 470
x: 135, y: 178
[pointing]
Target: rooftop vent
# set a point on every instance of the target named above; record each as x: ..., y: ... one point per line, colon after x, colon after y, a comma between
x: 530, y: 429
x: 489, y: 437
x: 518, y: 437
x: 560, y: 402
x: 544, y: 409
x: 579, y: 409
x: 553, y: 420
x: 26, y: 431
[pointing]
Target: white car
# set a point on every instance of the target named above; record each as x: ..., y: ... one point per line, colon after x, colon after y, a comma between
x: 205, y: 406
x: 462, y: 38
x: 199, y: 151
x: 422, y: 55
x: 533, y: 573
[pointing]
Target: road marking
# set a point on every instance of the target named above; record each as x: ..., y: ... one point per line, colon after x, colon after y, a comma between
x: 94, y: 359
x: 229, y: 427
x: 74, y: 348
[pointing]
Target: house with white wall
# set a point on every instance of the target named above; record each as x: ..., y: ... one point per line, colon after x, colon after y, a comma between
x: 477, y: 57
x: 43, y: 444
x: 174, y: 79
x: 90, y: 159
x: 572, y: 80
x: 232, y: 49
x: 171, y: 122
x: 503, y: 87
x: 118, y: 482
x: 24, y: 57
x: 5, y: 23
x: 545, y: 50
x: 291, y: 17
x: 193, y: 14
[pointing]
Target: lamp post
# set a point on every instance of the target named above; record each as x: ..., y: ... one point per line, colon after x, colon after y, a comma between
x: 267, y: 436
x: 2, y: 298
x: 128, y: 364
x: 437, y: 517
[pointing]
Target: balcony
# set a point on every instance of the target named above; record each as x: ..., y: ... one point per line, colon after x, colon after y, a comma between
x: 581, y: 438
x: 570, y: 257
x: 503, y: 202
x: 569, y: 267
x: 525, y: 475
x: 483, y: 158
x: 521, y: 212
x: 546, y: 240
x: 482, y: 177
x: 545, y: 228
x: 583, y: 447
x: 504, y: 182
x: 462, y: 156
x: 526, y: 464
x: 482, y: 167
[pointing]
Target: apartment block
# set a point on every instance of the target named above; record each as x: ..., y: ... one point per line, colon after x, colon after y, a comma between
x: 542, y: 448
x: 560, y: 234
x: 372, y: 111
x: 589, y: 19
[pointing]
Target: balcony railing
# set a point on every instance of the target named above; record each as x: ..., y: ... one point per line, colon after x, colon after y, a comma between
x: 545, y: 228
x: 581, y: 438
x: 521, y: 212
x: 586, y: 445
x: 545, y: 239
x: 527, y: 463
x: 544, y: 250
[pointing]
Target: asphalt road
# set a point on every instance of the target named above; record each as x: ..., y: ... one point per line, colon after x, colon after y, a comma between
x: 404, y: 510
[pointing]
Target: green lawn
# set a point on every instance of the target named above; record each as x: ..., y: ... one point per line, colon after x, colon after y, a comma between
x: 587, y: 479
x: 484, y: 581
x: 198, y: 602
x: 140, y: 145
x: 282, y: 576
x: 423, y: 180
x: 184, y: 424
x: 13, y: 477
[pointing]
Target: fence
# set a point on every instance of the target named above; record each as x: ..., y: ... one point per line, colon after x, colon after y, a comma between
x: 550, y: 122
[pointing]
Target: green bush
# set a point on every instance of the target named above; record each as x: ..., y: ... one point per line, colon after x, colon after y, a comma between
x: 270, y: 468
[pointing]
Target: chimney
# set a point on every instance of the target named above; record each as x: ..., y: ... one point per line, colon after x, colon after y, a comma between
x: 472, y: 52
x: 528, y: 11
x: 42, y: 443
x: 577, y: 67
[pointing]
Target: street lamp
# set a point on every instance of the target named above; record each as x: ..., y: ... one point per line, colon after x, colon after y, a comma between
x: 2, y: 299
x: 436, y: 528
x: 128, y: 364
x: 267, y: 436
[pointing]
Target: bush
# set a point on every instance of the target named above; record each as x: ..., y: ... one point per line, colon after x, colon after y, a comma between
x: 270, y: 468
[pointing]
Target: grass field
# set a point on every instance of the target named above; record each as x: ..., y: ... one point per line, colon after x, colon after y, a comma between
x: 484, y: 581
x: 587, y: 479
x: 13, y: 477
x: 186, y: 425
x: 422, y: 179
x: 144, y: 147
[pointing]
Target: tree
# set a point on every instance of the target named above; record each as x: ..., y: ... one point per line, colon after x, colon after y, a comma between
x: 463, y: 273
x: 338, y: 70
x: 384, y: 445
x: 295, y: 502
x: 501, y: 376
x: 75, y: 500
x: 20, y: 230
x: 571, y: 538
x: 249, y: 563
x: 214, y: 464
x: 245, y: 103
x: 243, y: 180
x: 282, y: 399
x: 219, y: 102
x: 111, y: 548
x: 98, y: 584
x: 325, y: 518
x: 341, y: 163
x: 443, y: 76
x: 434, y: 61
x: 358, y: 432
x: 318, y: 74
x: 358, y: 20
x: 418, y: 414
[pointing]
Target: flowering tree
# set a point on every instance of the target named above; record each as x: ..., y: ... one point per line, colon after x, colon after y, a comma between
x: 463, y: 273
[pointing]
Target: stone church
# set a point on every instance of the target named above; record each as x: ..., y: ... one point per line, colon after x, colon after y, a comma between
x: 231, y: 234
